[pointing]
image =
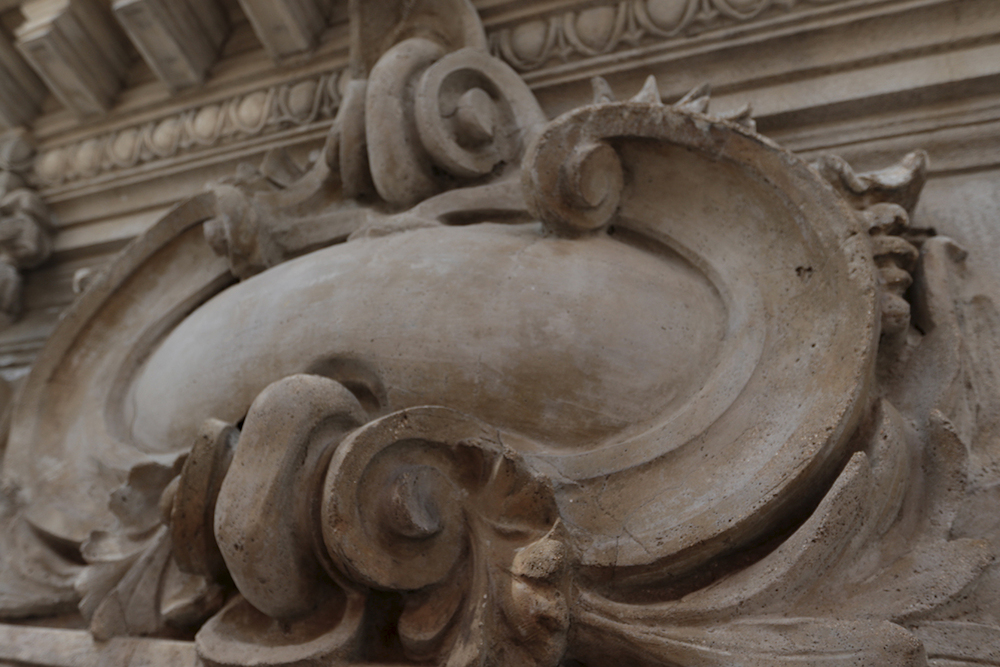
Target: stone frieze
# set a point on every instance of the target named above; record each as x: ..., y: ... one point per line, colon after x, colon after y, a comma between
x: 280, y: 107
x: 593, y: 31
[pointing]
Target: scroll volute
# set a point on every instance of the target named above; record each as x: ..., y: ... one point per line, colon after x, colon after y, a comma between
x: 266, y: 519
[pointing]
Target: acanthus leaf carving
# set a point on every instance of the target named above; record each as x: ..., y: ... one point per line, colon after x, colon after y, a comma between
x: 133, y: 583
x: 885, y: 200
x: 38, y: 581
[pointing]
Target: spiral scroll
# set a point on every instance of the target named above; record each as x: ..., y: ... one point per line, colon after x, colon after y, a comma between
x: 463, y: 115
x: 429, y: 502
x: 572, y: 174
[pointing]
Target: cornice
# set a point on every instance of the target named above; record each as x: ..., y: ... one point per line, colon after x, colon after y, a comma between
x: 299, y: 103
x: 557, y: 46
x: 576, y: 31
x: 740, y: 311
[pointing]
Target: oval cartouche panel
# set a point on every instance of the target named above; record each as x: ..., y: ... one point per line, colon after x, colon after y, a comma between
x: 564, y: 342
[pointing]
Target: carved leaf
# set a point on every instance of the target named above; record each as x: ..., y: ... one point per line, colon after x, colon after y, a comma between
x: 877, y: 547
x: 132, y: 585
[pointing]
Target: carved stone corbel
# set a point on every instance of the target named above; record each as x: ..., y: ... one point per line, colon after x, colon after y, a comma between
x: 402, y: 504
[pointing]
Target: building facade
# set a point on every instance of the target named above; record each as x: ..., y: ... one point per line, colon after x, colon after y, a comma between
x: 500, y: 332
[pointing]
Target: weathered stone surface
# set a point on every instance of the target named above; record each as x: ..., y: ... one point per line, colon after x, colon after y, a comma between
x: 489, y: 381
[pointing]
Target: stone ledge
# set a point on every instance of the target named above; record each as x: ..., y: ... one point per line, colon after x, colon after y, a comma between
x: 53, y: 647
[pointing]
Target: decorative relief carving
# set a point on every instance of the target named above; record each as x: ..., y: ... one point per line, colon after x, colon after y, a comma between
x: 580, y: 33
x: 25, y: 233
x: 887, y: 199
x: 239, y: 118
x: 425, y: 120
x: 635, y: 384
x: 611, y: 27
x: 134, y: 583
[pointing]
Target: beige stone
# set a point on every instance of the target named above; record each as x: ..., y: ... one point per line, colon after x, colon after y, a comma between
x: 468, y: 367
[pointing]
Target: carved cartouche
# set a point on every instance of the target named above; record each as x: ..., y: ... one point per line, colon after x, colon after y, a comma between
x: 501, y: 321
x: 635, y: 384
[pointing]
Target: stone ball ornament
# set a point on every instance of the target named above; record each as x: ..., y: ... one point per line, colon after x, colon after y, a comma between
x: 634, y: 384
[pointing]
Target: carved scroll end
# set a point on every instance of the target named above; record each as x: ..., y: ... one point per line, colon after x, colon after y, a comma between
x: 572, y: 174
x: 469, y: 120
x: 318, y: 507
x: 430, y: 503
x: 265, y: 516
x: 262, y: 528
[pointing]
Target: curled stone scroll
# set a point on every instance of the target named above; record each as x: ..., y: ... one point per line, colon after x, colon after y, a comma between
x: 632, y: 385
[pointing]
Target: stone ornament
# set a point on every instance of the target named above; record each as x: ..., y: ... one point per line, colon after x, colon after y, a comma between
x: 25, y: 227
x: 632, y: 385
x: 625, y: 24
x: 293, y: 105
x: 527, y: 45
